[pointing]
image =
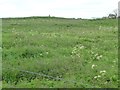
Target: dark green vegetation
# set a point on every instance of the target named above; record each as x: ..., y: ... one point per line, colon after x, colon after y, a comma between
x: 54, y: 52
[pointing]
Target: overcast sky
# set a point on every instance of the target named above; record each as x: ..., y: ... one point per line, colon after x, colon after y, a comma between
x: 58, y: 8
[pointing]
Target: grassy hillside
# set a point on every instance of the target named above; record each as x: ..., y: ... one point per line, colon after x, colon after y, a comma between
x: 58, y: 52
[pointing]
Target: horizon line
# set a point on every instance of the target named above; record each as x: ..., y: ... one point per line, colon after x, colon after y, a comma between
x: 53, y: 17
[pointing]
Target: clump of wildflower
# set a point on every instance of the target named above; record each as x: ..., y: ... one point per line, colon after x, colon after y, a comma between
x: 41, y: 54
x: 47, y: 52
x: 97, y: 57
x: 74, y: 50
x: 102, y: 72
x: 92, y: 52
x: 93, y: 66
x: 81, y: 47
x: 98, y: 76
x: 77, y: 50
x: 78, y: 55
x: 114, y: 61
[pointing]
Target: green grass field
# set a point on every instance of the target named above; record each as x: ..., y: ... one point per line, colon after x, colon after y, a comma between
x: 59, y: 53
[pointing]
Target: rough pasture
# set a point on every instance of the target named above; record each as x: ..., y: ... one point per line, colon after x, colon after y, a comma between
x: 57, y: 52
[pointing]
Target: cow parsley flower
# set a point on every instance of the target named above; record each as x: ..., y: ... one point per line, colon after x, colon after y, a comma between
x: 40, y: 54
x: 103, y: 71
x: 98, y: 76
x: 95, y: 77
x: 98, y: 56
x: 81, y: 47
x: 93, y: 66
x: 47, y: 52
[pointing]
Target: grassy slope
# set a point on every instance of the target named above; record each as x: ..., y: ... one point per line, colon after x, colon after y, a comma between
x: 64, y: 48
